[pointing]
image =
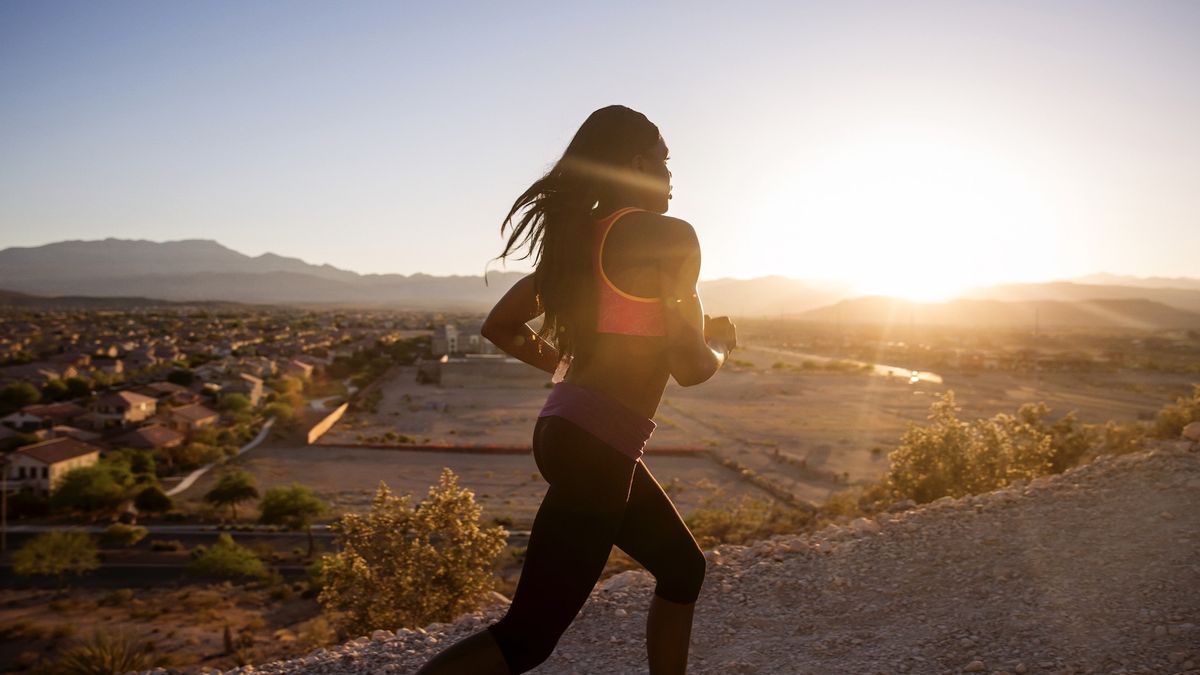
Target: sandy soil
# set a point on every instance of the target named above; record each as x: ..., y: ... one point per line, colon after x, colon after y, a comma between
x: 1093, y: 571
x: 812, y: 432
x: 505, y: 485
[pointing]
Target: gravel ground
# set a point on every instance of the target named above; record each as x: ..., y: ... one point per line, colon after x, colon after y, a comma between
x: 1092, y: 571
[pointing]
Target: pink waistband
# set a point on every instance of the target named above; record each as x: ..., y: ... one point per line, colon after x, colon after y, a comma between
x: 598, y: 414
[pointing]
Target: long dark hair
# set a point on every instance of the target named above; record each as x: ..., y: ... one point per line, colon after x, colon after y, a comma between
x: 557, y: 225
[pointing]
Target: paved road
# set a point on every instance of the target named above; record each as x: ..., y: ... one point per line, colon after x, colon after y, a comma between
x: 191, y: 477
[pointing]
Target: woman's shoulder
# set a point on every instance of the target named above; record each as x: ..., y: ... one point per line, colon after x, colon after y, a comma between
x: 664, y: 234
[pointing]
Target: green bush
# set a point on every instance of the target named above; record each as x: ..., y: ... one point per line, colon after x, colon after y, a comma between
x: 405, y: 565
x: 152, y: 499
x: 120, y: 534
x: 227, y: 559
x: 56, y: 553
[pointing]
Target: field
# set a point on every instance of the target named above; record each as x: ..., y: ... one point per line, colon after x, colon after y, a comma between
x: 810, y: 431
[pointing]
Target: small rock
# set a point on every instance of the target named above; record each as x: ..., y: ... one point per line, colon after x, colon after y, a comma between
x: 974, y: 667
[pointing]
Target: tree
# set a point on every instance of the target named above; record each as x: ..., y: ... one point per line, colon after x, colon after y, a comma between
x: 281, y: 411
x: 55, y: 390
x: 56, y: 553
x: 234, y: 403
x: 18, y: 395
x: 234, y: 487
x: 98, y: 488
x: 77, y: 387
x: 140, y: 462
x: 183, y: 377
x: 406, y: 565
x: 293, y: 506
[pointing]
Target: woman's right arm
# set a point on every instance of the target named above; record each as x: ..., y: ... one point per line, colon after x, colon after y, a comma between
x: 507, y: 326
x: 690, y: 358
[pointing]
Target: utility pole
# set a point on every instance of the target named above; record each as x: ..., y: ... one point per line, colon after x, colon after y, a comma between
x: 3, y: 503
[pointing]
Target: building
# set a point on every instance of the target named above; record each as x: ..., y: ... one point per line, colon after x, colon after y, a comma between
x: 149, y: 437
x: 450, y: 339
x: 41, y: 466
x: 247, y: 385
x: 190, y: 418
x: 480, y: 370
x: 122, y: 409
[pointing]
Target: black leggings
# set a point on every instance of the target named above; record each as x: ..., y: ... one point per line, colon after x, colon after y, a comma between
x: 598, y: 497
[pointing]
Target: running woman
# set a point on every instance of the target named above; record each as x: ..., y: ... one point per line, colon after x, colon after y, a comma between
x: 615, y: 282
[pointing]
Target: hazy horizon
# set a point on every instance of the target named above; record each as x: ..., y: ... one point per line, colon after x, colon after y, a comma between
x: 494, y: 269
x: 913, y: 150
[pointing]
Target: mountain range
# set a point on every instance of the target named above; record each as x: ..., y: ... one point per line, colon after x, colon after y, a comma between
x: 198, y: 270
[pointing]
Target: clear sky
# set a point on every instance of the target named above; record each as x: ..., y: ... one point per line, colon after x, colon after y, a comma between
x: 909, y: 146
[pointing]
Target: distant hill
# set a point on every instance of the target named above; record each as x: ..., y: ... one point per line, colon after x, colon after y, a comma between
x: 1136, y: 314
x: 12, y: 299
x: 202, y: 270
x: 1140, y: 282
x: 767, y: 296
x: 1181, y: 298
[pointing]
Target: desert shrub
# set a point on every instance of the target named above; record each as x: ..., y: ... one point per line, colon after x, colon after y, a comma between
x: 108, y: 654
x: 56, y: 554
x: 152, y: 499
x: 722, y: 521
x: 226, y: 558
x: 120, y: 534
x: 406, y: 565
x: 173, y: 545
x: 1122, y: 438
x: 952, y: 457
x: 1175, y: 416
x: 117, y: 598
x: 1070, y: 440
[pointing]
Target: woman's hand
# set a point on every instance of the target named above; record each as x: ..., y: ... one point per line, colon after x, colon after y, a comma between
x: 720, y: 331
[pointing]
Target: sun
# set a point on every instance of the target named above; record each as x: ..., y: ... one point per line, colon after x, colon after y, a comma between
x: 917, y: 216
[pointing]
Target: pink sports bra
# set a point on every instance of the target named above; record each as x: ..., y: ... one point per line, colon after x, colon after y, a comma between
x: 620, y: 312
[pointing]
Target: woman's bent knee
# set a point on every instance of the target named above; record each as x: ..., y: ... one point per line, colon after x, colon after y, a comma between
x: 524, y: 647
x: 687, y: 577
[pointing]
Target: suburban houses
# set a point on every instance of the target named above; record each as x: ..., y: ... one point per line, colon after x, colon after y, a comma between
x: 76, y: 384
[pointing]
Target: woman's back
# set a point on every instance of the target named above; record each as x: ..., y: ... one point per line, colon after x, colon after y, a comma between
x: 626, y: 359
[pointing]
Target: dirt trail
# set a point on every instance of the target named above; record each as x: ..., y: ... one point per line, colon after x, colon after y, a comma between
x: 1093, y: 571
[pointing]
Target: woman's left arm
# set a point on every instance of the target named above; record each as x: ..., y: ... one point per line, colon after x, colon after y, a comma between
x: 507, y: 326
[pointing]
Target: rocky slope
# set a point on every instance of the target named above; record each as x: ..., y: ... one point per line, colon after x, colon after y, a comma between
x: 1093, y: 571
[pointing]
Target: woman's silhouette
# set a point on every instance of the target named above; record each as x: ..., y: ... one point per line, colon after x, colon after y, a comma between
x: 616, y: 282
